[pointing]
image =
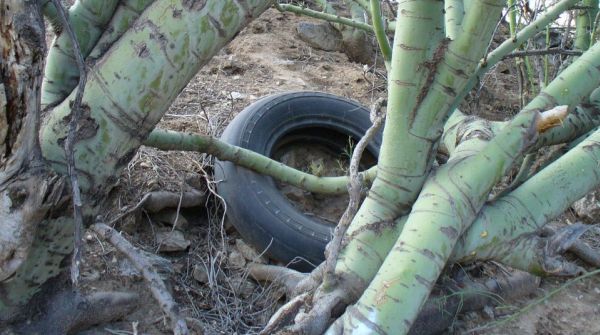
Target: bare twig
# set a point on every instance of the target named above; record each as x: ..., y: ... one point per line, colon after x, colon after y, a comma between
x: 541, y: 52
x: 354, y: 189
x: 70, y: 144
x: 391, y: 7
x: 144, y: 266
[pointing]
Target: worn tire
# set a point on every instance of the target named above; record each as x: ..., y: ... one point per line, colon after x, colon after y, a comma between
x: 255, y: 206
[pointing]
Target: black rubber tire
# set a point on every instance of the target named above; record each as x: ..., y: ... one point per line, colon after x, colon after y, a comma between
x: 255, y: 206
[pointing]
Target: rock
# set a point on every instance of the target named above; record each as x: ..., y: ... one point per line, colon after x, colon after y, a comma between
x: 200, y: 273
x: 242, y: 287
x: 320, y: 36
x: 170, y: 241
x: 248, y: 252
x: 588, y: 207
x: 236, y: 260
x: 237, y: 95
x: 170, y: 217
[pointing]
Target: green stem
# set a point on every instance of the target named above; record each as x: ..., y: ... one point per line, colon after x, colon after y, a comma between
x: 511, y: 44
x: 536, y: 201
x: 325, y: 16
x: 398, y: 180
x: 378, y: 27
x: 171, y: 140
x: 583, y: 23
x: 455, y: 12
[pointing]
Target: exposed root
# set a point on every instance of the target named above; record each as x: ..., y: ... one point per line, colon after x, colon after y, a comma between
x: 285, y: 315
x: 311, y: 282
x: 440, y: 312
x: 323, y: 309
x: 69, y: 312
x: 579, y: 249
x: 160, y: 200
x: 144, y: 266
x: 285, y: 277
x: 562, y: 240
x: 154, y: 202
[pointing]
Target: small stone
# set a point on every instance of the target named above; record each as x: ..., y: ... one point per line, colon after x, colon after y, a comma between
x: 89, y: 237
x: 248, y: 252
x: 170, y: 217
x: 200, y: 273
x: 242, y: 287
x: 588, y: 207
x: 237, y: 95
x: 170, y: 241
x: 236, y: 260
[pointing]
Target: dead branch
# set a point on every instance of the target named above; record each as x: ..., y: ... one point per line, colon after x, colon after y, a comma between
x: 143, y: 265
x: 542, y: 52
x: 70, y: 144
x: 354, y: 189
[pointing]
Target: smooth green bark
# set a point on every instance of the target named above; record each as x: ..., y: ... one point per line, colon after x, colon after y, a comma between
x: 170, y: 140
x: 88, y: 19
x: 127, y: 92
x: 584, y: 22
x: 398, y: 179
x: 455, y: 12
x: 125, y: 99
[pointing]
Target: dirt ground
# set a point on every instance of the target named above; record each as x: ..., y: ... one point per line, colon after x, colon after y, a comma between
x: 208, y: 277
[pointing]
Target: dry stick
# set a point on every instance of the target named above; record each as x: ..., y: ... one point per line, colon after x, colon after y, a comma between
x: 70, y: 144
x: 154, y: 202
x: 391, y: 7
x: 354, y: 188
x: 541, y: 52
x: 580, y: 249
x: 141, y: 263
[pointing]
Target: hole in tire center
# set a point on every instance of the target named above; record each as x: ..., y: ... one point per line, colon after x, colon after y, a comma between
x: 323, y: 152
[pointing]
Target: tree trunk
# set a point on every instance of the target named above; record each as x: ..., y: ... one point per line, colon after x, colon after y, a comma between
x: 123, y: 101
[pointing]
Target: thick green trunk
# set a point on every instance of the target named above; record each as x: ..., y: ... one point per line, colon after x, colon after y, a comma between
x: 125, y: 98
x: 398, y: 179
x: 127, y: 92
x: 88, y: 19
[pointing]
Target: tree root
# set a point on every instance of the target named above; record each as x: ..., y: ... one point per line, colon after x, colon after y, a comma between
x: 556, y: 245
x: 287, y: 278
x: 440, y: 311
x: 69, y: 312
x: 578, y: 248
x: 459, y: 297
x: 157, y: 201
x: 154, y: 202
x: 142, y: 264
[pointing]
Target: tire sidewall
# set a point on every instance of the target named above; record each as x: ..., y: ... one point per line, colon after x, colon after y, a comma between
x: 256, y: 207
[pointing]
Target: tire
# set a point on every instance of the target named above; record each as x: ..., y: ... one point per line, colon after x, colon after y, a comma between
x: 259, y: 211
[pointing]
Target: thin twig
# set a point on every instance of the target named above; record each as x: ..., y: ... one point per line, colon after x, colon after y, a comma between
x: 144, y: 266
x: 70, y: 144
x: 541, y: 52
x: 354, y: 189
x: 391, y: 7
